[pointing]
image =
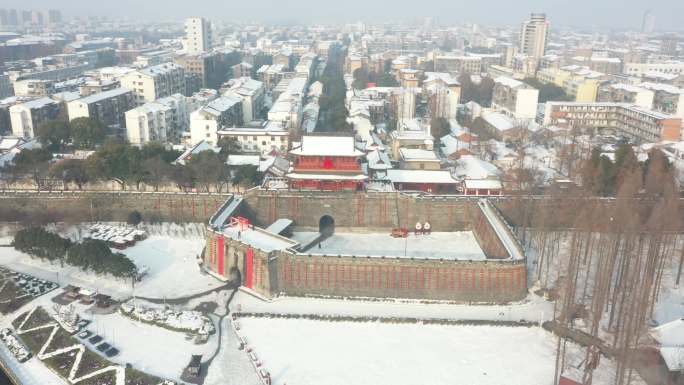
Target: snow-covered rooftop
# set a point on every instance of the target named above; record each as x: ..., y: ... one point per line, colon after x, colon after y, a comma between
x: 327, y: 146
x: 421, y: 176
x: 472, y: 167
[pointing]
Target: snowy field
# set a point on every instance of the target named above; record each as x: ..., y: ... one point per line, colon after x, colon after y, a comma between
x: 151, y: 349
x: 173, y: 271
x: 448, y: 245
x: 173, y: 268
x: 305, y: 352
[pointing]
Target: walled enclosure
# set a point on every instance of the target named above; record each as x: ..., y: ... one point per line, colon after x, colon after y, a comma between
x: 286, y: 271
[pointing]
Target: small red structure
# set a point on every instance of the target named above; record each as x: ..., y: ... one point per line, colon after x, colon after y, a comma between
x: 566, y: 381
x: 241, y: 223
x: 326, y: 163
x: 400, y: 232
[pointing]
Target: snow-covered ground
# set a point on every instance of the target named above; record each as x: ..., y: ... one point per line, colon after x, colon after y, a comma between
x: 533, y: 309
x: 173, y: 270
x: 307, y: 352
x: 231, y: 366
x: 151, y: 349
x: 32, y: 372
x: 448, y: 245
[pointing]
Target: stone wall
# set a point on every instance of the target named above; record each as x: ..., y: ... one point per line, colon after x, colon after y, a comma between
x: 486, y: 236
x: 32, y: 207
x: 479, y: 281
x: 350, y: 209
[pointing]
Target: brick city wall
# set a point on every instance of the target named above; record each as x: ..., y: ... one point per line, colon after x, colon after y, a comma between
x: 479, y: 281
x: 35, y: 207
x: 369, y: 210
x: 486, y: 236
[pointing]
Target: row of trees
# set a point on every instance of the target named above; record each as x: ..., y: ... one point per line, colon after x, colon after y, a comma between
x: 152, y: 165
x: 603, y: 176
x: 90, y: 255
x: 548, y: 92
x: 606, y: 261
x: 480, y: 93
x: 362, y: 77
x: 333, y: 111
x: 81, y: 133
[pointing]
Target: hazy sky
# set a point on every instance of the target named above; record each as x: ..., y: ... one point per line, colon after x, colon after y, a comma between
x: 583, y: 13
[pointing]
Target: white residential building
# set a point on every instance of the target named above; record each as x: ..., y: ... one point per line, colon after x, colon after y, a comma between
x: 533, y: 36
x: 26, y: 117
x: 34, y: 88
x: 163, y: 120
x: 151, y: 83
x: 643, y: 69
x: 264, y: 141
x: 198, y: 36
x: 252, y: 93
x: 667, y: 99
x: 515, y: 98
x: 219, y: 114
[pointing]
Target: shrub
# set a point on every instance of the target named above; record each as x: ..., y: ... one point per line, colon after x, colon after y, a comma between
x: 41, y: 243
x: 134, y: 218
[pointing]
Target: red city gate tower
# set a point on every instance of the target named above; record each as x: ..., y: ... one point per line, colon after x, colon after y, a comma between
x: 326, y: 163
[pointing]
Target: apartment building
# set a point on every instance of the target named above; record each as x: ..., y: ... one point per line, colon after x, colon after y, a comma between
x: 287, y: 110
x: 211, y: 68
x: 306, y: 66
x: 643, y: 69
x: 533, y: 36
x: 163, y: 120
x: 582, y: 85
x: 607, y: 65
x: 106, y: 107
x: 271, y: 75
x: 409, y: 78
x: 151, y: 83
x: 443, y: 93
x: 253, y: 95
x: 198, y: 35
x: 460, y: 64
x: 26, y: 117
x: 34, y: 88
x: 219, y: 114
x: 667, y: 99
x: 626, y: 93
x: 91, y: 87
x: 515, y: 98
x: 263, y: 141
x: 638, y: 124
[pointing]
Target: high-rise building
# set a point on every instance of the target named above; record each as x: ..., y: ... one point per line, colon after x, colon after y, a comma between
x: 648, y: 22
x: 533, y: 35
x: 37, y: 17
x: 54, y: 16
x: 197, y: 35
x: 12, y: 17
